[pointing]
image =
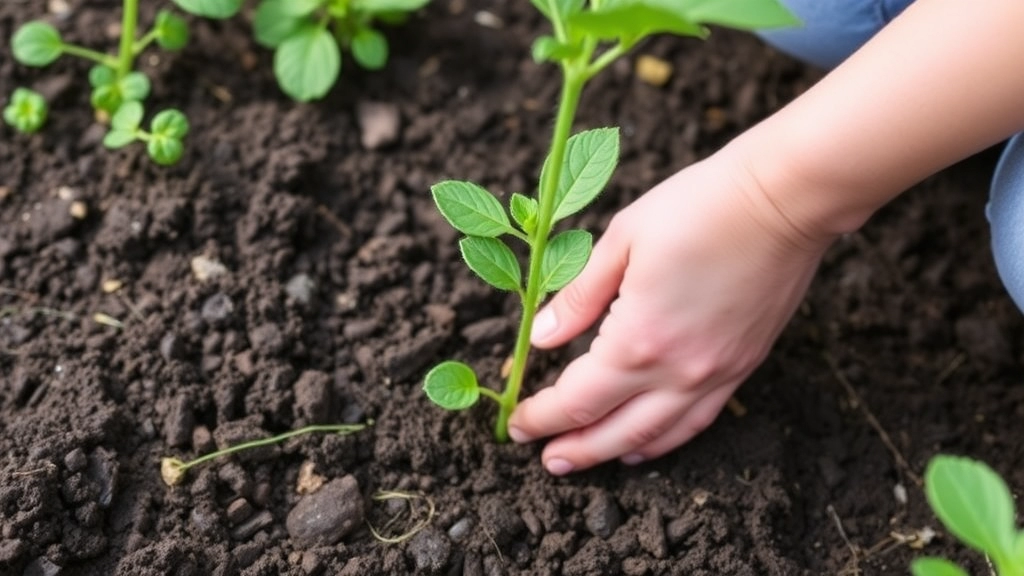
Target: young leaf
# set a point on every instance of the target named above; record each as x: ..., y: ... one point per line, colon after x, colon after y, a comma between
x: 378, y: 6
x: 37, y: 44
x: 171, y: 30
x: 307, y: 63
x: 169, y: 124
x: 547, y: 48
x: 564, y: 8
x: 128, y: 117
x: 633, y: 19
x: 492, y: 261
x: 370, y: 48
x: 273, y: 23
x: 973, y: 502
x: 210, y: 8
x: 929, y: 566
x: 470, y: 209
x: 102, y: 76
x: 300, y: 8
x: 564, y: 259
x: 524, y: 212
x: 165, y: 151
x: 166, y: 131
x: 26, y: 111
x: 739, y: 14
x: 452, y: 385
x: 590, y: 159
x: 134, y: 87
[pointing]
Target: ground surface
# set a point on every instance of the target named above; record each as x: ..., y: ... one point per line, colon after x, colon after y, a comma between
x: 343, y: 286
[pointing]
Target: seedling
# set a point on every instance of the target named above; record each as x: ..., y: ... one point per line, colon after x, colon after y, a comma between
x: 976, y: 506
x: 588, y: 36
x: 163, y: 141
x: 173, y: 470
x: 26, y: 111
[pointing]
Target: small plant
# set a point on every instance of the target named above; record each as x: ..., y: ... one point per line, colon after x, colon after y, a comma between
x: 588, y: 36
x: 173, y: 470
x: 164, y: 139
x: 976, y: 506
x: 26, y: 111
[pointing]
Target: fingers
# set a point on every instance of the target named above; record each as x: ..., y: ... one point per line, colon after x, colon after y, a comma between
x: 576, y: 306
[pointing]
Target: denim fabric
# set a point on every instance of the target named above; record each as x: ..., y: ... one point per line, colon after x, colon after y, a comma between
x: 834, y: 29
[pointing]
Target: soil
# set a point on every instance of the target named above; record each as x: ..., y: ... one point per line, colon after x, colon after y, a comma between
x: 342, y: 285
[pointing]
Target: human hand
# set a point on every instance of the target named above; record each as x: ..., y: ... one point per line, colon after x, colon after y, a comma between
x: 698, y: 277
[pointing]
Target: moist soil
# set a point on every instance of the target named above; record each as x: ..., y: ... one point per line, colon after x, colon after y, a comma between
x: 341, y: 286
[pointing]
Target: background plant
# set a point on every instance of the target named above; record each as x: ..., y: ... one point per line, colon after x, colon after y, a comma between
x: 975, y: 505
x: 588, y: 36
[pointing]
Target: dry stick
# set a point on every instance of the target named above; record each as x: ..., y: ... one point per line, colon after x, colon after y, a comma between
x: 957, y: 362
x: 886, y: 439
x: 853, y: 565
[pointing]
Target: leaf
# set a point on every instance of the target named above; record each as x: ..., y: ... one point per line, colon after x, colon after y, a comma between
x: 300, y: 8
x: 128, y: 117
x: 102, y: 76
x: 929, y: 566
x: 210, y: 8
x: 106, y: 98
x: 524, y: 212
x: 564, y: 259
x: 26, y: 111
x: 452, y: 385
x: 493, y: 261
x: 307, y: 63
x: 470, y: 209
x: 563, y: 8
x: 973, y: 502
x: 378, y: 6
x: 134, y: 87
x: 273, y: 24
x: 165, y: 151
x: 170, y: 123
x: 739, y: 14
x: 630, y: 20
x: 590, y: 159
x: 547, y: 48
x: 370, y: 48
x: 37, y: 44
x: 120, y: 138
x: 171, y: 30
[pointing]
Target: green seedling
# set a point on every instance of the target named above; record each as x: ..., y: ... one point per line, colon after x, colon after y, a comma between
x: 173, y: 470
x: 976, y: 506
x: 163, y: 140
x: 588, y: 36
x: 26, y: 111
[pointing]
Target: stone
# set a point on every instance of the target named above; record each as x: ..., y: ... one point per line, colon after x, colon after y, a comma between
x: 327, y: 516
x: 379, y: 123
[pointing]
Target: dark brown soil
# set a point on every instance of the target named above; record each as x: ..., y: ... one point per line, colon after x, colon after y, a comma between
x: 343, y: 285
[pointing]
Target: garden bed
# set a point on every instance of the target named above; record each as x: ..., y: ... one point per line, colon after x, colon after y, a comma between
x: 343, y: 285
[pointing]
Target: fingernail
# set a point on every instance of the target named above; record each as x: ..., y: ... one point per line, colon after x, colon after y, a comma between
x: 518, y: 436
x: 544, y: 325
x: 632, y: 459
x: 558, y: 467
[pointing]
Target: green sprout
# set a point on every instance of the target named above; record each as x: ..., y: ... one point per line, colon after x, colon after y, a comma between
x: 173, y: 470
x: 26, y: 111
x: 976, y: 506
x: 164, y: 139
x: 588, y: 36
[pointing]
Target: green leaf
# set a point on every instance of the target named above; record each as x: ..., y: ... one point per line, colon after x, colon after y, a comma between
x: 548, y: 48
x: 470, y: 209
x: 929, y: 566
x: 524, y: 212
x: 973, y: 502
x: 739, y: 14
x: 378, y: 6
x: 452, y: 385
x: 300, y: 8
x: 171, y: 30
x: 307, y: 63
x: 564, y: 259
x: 128, y: 117
x: 273, y: 24
x: 134, y: 87
x: 26, y: 111
x: 210, y: 8
x: 165, y: 151
x: 102, y: 76
x: 630, y: 20
x: 37, y: 44
x: 590, y: 159
x: 561, y: 8
x: 492, y: 261
x: 370, y: 48
x: 109, y: 94
x: 120, y: 138
x: 170, y: 124
x: 106, y: 98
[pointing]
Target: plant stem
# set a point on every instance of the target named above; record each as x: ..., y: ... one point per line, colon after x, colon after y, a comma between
x: 126, y: 53
x: 82, y: 52
x: 149, y: 38
x: 572, y: 85
x: 336, y: 428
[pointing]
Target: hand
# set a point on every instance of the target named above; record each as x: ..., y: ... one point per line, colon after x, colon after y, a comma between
x: 698, y: 277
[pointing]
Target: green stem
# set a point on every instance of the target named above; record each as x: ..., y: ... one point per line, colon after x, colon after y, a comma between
x: 145, y: 41
x: 572, y: 86
x: 82, y: 52
x: 126, y: 53
x: 335, y: 428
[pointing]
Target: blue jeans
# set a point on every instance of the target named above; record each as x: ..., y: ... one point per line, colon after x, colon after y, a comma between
x: 834, y: 29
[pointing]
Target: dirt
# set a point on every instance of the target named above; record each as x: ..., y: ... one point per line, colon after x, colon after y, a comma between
x: 341, y: 286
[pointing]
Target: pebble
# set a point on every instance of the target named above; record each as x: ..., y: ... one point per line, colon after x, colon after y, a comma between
x: 217, y: 308
x: 252, y: 526
x: 179, y: 423
x: 239, y: 511
x: 171, y: 347
x: 653, y: 70
x: 311, y: 564
x: 430, y: 550
x: 328, y: 515
x: 204, y: 268
x: 313, y: 396
x: 76, y: 460
x: 379, y: 123
x: 300, y: 288
x: 602, y: 515
x: 245, y: 555
x: 460, y: 529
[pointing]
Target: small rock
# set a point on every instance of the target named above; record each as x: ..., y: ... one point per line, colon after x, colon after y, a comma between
x: 309, y: 481
x: 179, y: 423
x: 460, y: 529
x: 653, y: 70
x: 204, y: 268
x: 252, y: 526
x: 247, y: 554
x: 171, y: 347
x: 311, y: 564
x: 244, y: 363
x: 430, y: 550
x: 602, y: 515
x: 312, y: 396
x: 76, y: 460
x: 300, y: 288
x: 217, y: 308
x: 239, y: 511
x: 379, y: 123
x: 652, y: 534
x: 327, y: 516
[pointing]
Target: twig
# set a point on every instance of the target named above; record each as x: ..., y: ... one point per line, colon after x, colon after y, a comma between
x: 853, y: 565
x: 886, y: 439
x: 957, y: 362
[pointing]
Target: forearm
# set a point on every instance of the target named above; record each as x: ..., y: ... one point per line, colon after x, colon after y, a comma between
x: 942, y: 81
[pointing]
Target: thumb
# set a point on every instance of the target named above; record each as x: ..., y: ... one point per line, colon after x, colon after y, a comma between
x: 576, y: 306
